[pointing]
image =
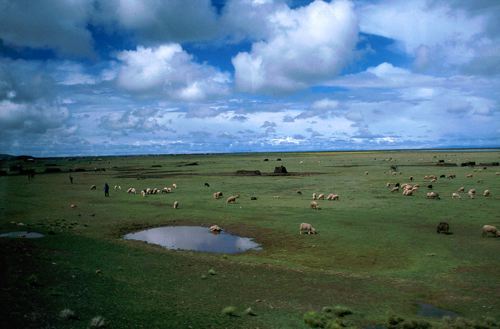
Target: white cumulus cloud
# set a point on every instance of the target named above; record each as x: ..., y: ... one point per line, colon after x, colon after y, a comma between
x: 169, y: 71
x: 306, y: 46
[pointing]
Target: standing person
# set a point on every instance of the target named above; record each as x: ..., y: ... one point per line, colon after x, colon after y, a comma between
x: 71, y: 179
x: 106, y: 189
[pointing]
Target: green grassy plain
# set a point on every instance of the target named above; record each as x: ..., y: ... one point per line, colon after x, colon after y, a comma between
x: 376, y: 252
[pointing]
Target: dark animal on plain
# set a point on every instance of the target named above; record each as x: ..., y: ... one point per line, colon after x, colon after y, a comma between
x: 397, y: 185
x: 207, y: 185
x: 443, y: 227
x: 429, y: 186
x: 253, y: 198
x: 299, y: 192
x: 442, y: 176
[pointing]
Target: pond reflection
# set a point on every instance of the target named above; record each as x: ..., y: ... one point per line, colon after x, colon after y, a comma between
x: 195, y: 238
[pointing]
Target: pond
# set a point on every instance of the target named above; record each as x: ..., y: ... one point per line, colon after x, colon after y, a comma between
x: 22, y: 234
x: 432, y: 311
x: 197, y: 238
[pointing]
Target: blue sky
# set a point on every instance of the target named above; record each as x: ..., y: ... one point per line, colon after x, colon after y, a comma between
x: 146, y: 76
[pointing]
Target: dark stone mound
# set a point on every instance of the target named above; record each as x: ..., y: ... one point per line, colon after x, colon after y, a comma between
x: 446, y: 164
x: 52, y: 170
x: 492, y: 164
x: 468, y: 163
x: 248, y: 172
x: 278, y: 159
x: 188, y: 164
x: 266, y: 159
x: 280, y: 170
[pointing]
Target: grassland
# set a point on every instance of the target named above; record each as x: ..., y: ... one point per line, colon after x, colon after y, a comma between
x: 376, y: 252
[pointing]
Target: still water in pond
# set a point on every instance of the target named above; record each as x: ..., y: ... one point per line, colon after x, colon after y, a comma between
x: 434, y: 312
x: 21, y: 234
x: 195, y: 238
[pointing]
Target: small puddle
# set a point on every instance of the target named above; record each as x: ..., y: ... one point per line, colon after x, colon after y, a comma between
x: 195, y: 238
x: 432, y: 311
x: 22, y: 234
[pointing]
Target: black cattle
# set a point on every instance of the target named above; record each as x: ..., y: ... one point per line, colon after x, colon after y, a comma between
x: 443, y: 227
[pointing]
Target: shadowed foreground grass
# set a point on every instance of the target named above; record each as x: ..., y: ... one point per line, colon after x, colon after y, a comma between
x: 377, y: 252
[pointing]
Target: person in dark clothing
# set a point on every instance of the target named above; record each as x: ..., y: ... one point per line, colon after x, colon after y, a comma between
x: 106, y: 189
x: 71, y: 179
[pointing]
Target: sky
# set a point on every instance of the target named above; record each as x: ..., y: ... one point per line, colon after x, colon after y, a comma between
x: 111, y: 77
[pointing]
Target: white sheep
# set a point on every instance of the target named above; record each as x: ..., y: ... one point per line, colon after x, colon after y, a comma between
x: 307, y: 228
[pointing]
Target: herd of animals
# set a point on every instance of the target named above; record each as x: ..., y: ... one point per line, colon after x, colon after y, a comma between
x: 407, y: 190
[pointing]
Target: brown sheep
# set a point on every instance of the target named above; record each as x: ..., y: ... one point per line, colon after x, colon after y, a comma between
x: 486, y: 193
x: 175, y: 205
x: 321, y: 197
x: 490, y: 229
x: 314, y: 205
x: 217, y: 195
x: 232, y: 199
x: 307, y: 228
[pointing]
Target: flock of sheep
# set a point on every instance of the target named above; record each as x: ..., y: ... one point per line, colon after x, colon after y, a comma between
x: 408, y: 189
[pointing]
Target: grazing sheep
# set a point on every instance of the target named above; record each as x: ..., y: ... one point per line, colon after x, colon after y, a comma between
x: 366, y: 172
x: 452, y: 176
x: 72, y: 205
x: 131, y: 190
x: 207, y: 185
x: 175, y: 205
x: 174, y: 185
x: 490, y: 229
x: 432, y: 195
x: 455, y: 195
x: 443, y: 227
x: 166, y: 190
x: 332, y: 196
x: 411, y: 178
x: 217, y: 195
x: 395, y: 189
x: 433, y: 180
x: 253, y: 198
x: 429, y: 186
x: 232, y: 199
x: 442, y: 176
x: 314, y: 205
x: 307, y: 228
x: 321, y: 197
x: 472, y: 193
x: 299, y: 192
x: 388, y: 185
x: 461, y: 189
x: 93, y: 187
x: 215, y: 228
x: 497, y: 173
x: 408, y: 192
x: 486, y: 193
x: 314, y: 196
x: 397, y: 185
x: 148, y: 190
x: 469, y: 176
x: 143, y: 193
